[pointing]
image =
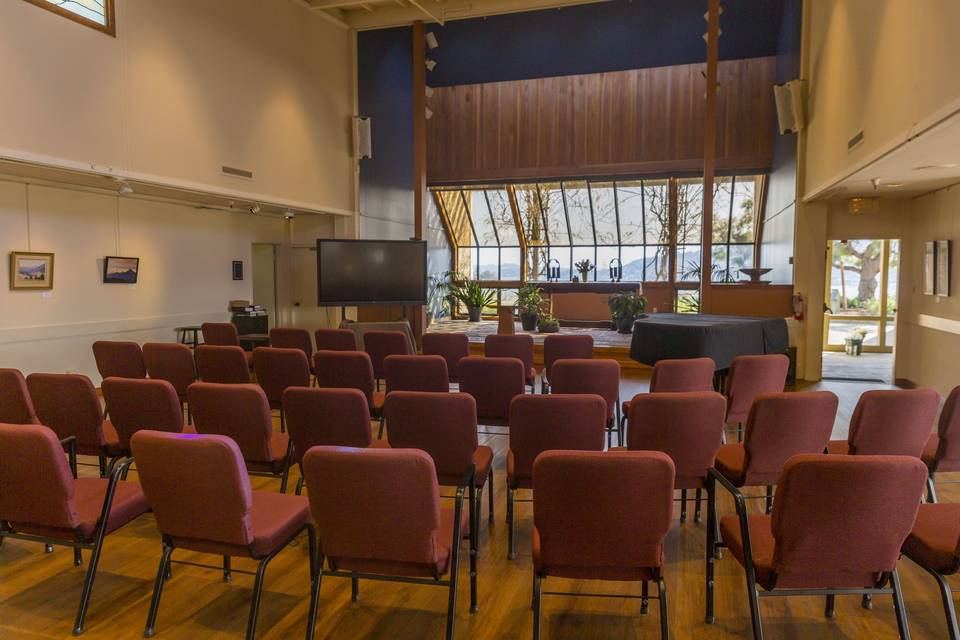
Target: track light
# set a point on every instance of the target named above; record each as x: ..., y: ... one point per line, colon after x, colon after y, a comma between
x: 431, y: 40
x: 255, y: 209
x: 427, y: 112
x: 124, y: 187
x: 431, y: 64
x: 289, y: 215
x: 429, y: 91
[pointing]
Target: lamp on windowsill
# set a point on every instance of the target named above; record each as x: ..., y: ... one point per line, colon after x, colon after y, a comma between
x: 616, y: 270
x: 553, y: 270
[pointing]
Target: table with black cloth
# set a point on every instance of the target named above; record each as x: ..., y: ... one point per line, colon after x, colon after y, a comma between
x: 661, y: 336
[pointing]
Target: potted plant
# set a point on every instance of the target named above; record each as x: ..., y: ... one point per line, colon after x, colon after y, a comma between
x: 529, y: 300
x: 584, y: 267
x: 625, y: 308
x: 467, y: 292
x: 853, y: 343
x: 548, y: 324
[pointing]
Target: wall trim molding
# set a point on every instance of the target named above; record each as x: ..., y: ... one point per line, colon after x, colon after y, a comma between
x: 937, y: 323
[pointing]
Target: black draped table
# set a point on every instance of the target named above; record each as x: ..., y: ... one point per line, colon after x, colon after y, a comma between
x: 661, y: 336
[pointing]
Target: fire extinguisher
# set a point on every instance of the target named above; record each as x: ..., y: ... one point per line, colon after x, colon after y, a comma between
x: 798, y: 304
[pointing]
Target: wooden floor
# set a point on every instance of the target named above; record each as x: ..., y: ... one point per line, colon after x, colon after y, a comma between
x: 39, y: 592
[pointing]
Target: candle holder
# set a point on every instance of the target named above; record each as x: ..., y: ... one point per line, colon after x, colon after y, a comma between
x: 616, y: 270
x: 553, y: 270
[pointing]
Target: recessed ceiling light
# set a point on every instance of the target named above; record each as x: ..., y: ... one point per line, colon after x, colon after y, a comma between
x: 893, y: 185
x: 928, y: 167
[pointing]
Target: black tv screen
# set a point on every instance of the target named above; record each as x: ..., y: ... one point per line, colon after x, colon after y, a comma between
x: 365, y: 272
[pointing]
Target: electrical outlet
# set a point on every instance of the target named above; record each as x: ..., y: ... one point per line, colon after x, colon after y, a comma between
x: 46, y: 295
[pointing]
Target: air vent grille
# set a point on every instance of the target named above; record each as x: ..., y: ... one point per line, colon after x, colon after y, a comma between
x: 855, y: 140
x: 236, y: 173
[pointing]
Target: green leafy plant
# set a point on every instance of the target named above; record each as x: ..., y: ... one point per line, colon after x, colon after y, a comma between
x: 548, y: 324
x: 626, y: 305
x: 858, y: 333
x: 469, y: 293
x: 583, y: 267
x: 529, y: 299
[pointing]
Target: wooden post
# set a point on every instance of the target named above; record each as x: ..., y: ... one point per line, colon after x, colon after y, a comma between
x: 419, y: 320
x: 709, y: 153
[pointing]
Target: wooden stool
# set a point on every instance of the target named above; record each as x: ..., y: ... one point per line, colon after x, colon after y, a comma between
x: 505, y: 316
x: 182, y: 336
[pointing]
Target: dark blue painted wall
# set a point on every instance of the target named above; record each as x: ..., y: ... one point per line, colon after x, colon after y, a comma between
x: 593, y: 38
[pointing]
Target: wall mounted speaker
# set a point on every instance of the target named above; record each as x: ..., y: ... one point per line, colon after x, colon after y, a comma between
x: 362, y: 140
x: 790, y: 112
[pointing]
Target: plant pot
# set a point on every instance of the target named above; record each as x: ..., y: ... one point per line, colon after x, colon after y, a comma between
x: 625, y: 325
x: 548, y: 328
x: 584, y: 276
x: 474, y: 313
x: 853, y: 346
x: 529, y: 321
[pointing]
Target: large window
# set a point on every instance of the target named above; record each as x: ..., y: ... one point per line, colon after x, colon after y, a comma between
x: 97, y: 14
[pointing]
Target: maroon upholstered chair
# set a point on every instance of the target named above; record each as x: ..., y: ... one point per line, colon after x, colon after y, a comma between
x: 557, y: 347
x: 119, y: 359
x: 135, y: 405
x: 349, y: 370
x: 277, y: 369
x: 174, y: 363
x: 292, y: 338
x: 445, y: 426
x: 223, y: 334
x: 934, y: 544
x: 242, y: 413
x: 41, y: 500
x: 942, y: 451
x: 200, y: 493
x: 453, y: 347
x: 837, y: 527
x: 890, y: 423
x: 519, y: 345
x: 676, y: 376
x: 600, y: 376
x: 749, y: 377
x: 222, y: 364
x: 68, y: 404
x: 686, y: 426
x: 380, y: 344
x: 601, y: 516
x: 493, y: 383
x: 16, y: 407
x: 544, y: 423
x: 326, y: 417
x: 780, y: 425
x: 335, y: 340
x: 378, y: 513
x: 415, y: 373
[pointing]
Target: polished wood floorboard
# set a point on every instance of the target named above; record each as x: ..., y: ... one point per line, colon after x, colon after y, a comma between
x: 39, y: 592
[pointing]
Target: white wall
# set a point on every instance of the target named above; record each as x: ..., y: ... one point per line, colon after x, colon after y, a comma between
x: 186, y: 87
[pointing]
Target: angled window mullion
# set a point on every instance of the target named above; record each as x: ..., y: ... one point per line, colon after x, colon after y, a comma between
x: 733, y: 191
x: 473, y: 230
x: 566, y: 216
x: 493, y: 224
x: 616, y: 213
x: 543, y: 214
x: 593, y: 228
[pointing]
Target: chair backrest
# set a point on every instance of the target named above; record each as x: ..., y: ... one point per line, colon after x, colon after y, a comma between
x: 493, y: 383
x: 416, y: 373
x: 220, y: 333
x: 292, y: 338
x: 326, y: 417
x: 686, y: 426
x: 222, y: 363
x: 16, y: 406
x: 451, y: 346
x: 68, y: 404
x: 897, y: 422
x: 442, y: 424
x: 578, y: 375
x: 948, y: 428
x: 844, y: 515
x: 119, y: 359
x: 238, y: 411
x: 197, y: 486
x: 541, y: 423
x: 335, y: 340
x: 380, y: 344
x: 345, y: 370
x: 558, y: 346
x: 602, y: 510
x: 376, y: 504
x: 136, y: 405
x: 683, y: 374
x: 172, y: 362
x: 751, y: 376
x: 278, y: 369
x: 782, y: 425
x: 38, y: 487
x: 518, y: 345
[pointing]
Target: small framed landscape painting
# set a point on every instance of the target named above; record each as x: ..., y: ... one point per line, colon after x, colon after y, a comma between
x: 30, y: 270
x: 119, y: 270
x: 929, y: 268
x: 943, y: 267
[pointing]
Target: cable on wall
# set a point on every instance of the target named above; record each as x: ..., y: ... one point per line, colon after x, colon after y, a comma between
x: 26, y: 206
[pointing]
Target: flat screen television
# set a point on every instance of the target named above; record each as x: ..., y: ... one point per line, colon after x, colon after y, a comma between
x: 367, y: 272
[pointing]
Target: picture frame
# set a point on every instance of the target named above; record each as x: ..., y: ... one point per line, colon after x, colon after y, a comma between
x: 120, y: 270
x: 943, y: 267
x: 31, y: 271
x: 929, y: 268
x: 238, y: 270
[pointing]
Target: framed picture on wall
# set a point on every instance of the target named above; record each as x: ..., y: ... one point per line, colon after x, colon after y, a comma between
x: 238, y: 269
x: 30, y: 270
x: 120, y: 270
x: 943, y: 267
x: 929, y: 268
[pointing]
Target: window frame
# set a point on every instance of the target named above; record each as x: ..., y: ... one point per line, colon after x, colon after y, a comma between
x: 110, y: 28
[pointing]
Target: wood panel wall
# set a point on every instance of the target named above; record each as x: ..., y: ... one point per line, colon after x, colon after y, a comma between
x: 626, y: 122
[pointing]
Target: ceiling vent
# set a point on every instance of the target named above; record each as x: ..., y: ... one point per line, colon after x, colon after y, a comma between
x: 236, y: 173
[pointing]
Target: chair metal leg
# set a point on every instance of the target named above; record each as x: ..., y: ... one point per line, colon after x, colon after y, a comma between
x: 88, y: 582
x: 77, y: 556
x: 511, y: 549
x: 830, y: 608
x: 754, y: 603
x: 683, y: 505
x: 711, y: 545
x: 283, y: 422
x: 866, y: 601
x: 227, y: 573
x: 354, y: 589
x: 645, y: 598
x: 255, y: 602
x: 454, y: 570
x: 380, y: 432
x: 537, y: 598
x: 157, y: 591
x: 490, y: 496
x: 898, y: 606
x: 314, y: 599
x: 664, y: 618
x: 696, y: 509
x: 618, y: 423
x: 769, y: 499
x: 48, y: 548
x: 739, y: 432
x: 931, y: 490
x: 948, y: 609
x: 299, y: 485
x: 102, y: 459
x: 474, y: 525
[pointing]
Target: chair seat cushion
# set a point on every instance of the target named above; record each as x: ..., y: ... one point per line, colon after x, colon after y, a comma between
x: 840, y: 447
x: 482, y: 460
x: 630, y: 574
x: 929, y: 456
x: 279, y: 443
x: 933, y: 540
x: 730, y: 462
x: 128, y: 504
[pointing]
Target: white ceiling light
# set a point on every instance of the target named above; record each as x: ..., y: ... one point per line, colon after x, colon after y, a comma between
x: 431, y: 64
x: 427, y: 112
x: 429, y: 91
x: 928, y: 167
x: 255, y: 209
x: 893, y: 185
x: 431, y: 40
x: 123, y: 187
